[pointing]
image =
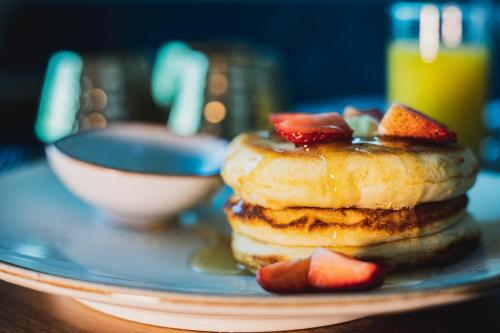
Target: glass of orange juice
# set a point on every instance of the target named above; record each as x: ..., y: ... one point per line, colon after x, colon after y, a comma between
x: 438, y: 63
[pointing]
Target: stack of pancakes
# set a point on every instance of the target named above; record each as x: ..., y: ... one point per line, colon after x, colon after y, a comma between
x: 396, y: 202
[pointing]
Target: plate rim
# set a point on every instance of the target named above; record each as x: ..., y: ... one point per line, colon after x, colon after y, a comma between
x: 16, y: 273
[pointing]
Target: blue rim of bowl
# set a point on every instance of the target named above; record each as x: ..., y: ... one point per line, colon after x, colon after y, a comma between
x: 56, y: 146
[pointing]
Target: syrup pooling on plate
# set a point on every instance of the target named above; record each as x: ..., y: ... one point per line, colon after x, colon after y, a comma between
x: 215, y: 257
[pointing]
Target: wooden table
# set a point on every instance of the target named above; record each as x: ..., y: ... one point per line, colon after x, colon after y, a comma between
x: 24, y: 310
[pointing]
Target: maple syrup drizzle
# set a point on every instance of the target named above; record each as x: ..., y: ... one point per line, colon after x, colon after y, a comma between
x: 216, y: 256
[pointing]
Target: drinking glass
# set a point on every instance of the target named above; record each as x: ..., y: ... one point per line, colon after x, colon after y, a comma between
x: 210, y: 88
x: 86, y: 91
x: 219, y: 89
x: 438, y: 63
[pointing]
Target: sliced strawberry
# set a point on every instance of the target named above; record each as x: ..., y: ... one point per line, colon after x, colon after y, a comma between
x: 315, y: 128
x: 350, y: 112
x: 284, y: 276
x: 337, y: 272
x: 405, y: 122
x: 324, y: 271
x: 275, y: 118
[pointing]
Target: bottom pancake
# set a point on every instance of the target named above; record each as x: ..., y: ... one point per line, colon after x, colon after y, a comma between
x: 436, y: 248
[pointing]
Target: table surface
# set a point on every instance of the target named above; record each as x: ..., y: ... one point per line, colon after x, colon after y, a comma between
x: 24, y: 310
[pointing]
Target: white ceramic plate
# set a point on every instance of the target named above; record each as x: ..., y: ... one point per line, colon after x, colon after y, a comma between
x: 51, y: 241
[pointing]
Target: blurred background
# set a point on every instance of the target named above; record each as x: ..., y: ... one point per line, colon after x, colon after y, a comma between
x: 280, y: 54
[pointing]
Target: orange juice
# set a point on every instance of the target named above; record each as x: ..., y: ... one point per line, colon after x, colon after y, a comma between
x: 451, y: 88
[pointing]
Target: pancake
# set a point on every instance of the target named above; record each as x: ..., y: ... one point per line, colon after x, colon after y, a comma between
x: 343, y: 226
x: 436, y: 248
x: 264, y: 170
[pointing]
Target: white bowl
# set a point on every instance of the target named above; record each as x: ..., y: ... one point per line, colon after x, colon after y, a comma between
x: 138, y: 174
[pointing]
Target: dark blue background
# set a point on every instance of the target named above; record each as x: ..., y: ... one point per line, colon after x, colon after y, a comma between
x: 332, y: 48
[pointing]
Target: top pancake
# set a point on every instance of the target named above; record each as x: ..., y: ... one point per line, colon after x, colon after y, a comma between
x: 379, y: 173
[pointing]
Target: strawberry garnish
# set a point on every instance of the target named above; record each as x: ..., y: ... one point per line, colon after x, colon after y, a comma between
x: 405, y: 122
x: 325, y: 270
x: 337, y: 272
x: 275, y: 118
x: 303, y: 129
x: 284, y: 276
x: 350, y: 112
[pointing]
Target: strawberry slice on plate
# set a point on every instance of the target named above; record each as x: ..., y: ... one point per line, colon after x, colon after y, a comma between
x: 284, y: 276
x: 405, y: 122
x: 303, y: 129
x: 324, y: 270
x: 332, y: 271
x: 350, y: 112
